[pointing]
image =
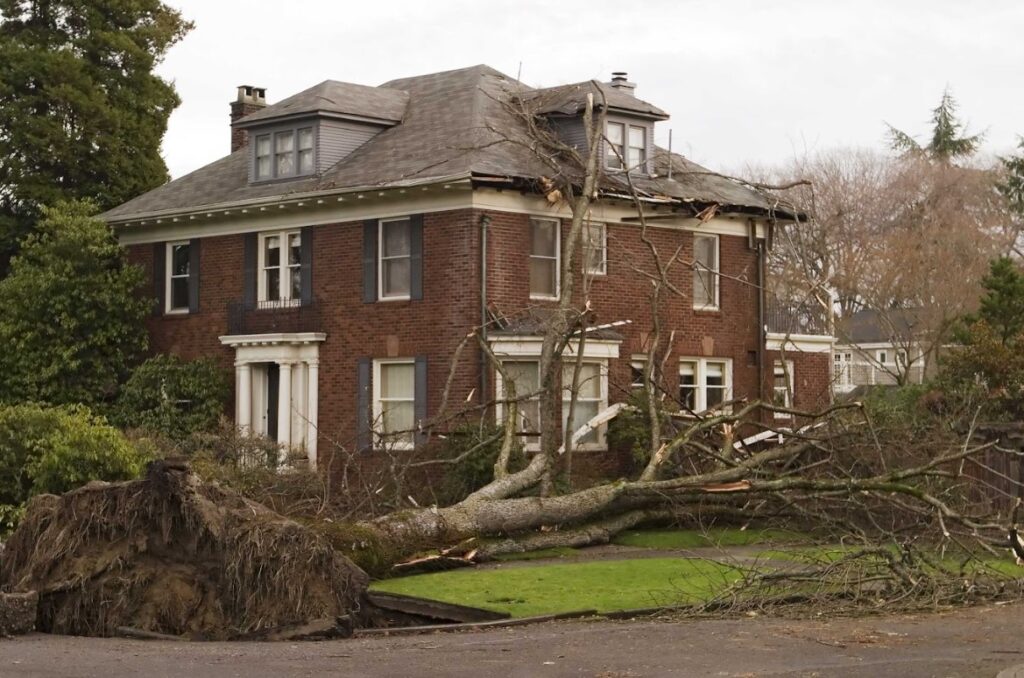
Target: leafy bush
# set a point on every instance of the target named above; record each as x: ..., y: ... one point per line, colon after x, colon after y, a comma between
x: 56, y: 449
x: 475, y: 470
x: 73, y: 322
x: 901, y: 407
x: 173, y: 397
x: 988, y: 368
x: 631, y: 430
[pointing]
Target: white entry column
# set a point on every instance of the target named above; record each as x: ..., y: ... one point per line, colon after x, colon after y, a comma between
x: 284, y: 409
x: 312, y: 376
x: 243, y: 406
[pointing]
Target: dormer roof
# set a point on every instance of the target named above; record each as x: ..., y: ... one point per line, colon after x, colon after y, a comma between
x: 572, y: 99
x: 332, y: 98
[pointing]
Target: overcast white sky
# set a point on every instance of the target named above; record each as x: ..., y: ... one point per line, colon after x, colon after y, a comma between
x: 745, y: 81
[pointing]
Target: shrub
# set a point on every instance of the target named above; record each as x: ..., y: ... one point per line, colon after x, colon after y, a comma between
x: 56, y: 449
x: 631, y: 429
x: 475, y: 470
x: 173, y: 398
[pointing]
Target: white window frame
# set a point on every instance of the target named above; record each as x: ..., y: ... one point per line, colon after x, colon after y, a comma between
x: 530, y: 443
x: 642, y: 165
x: 169, y: 277
x: 786, y: 370
x: 700, y: 386
x: 569, y: 365
x: 284, y: 268
x: 716, y: 302
x: 882, y: 356
x: 557, y: 258
x: 380, y: 261
x: 378, y: 411
x: 602, y: 269
x: 637, y: 364
x: 269, y: 156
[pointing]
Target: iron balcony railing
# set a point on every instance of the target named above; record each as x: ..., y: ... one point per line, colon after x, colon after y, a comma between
x: 265, y: 317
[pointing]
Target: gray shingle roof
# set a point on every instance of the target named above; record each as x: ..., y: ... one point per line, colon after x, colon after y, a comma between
x: 452, y: 125
x: 571, y: 99
x: 871, y: 327
x: 340, y: 98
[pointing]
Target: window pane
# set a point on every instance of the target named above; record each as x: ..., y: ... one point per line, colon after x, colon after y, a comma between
x: 637, y: 137
x: 716, y: 396
x: 179, y: 293
x: 395, y: 277
x: 584, y: 412
x: 284, y: 142
x: 529, y: 416
x: 589, y: 382
x: 263, y: 145
x: 615, y: 133
x: 295, y: 289
x: 397, y: 416
x: 396, y: 238
x: 703, y: 288
x: 524, y: 374
x: 305, y: 162
x: 543, y: 238
x: 714, y: 374
x: 542, y: 277
x: 294, y: 249
x: 306, y: 138
x: 179, y: 260
x: 263, y: 167
x: 594, y: 250
x: 397, y: 380
x: 636, y: 372
x: 272, y: 255
x: 636, y: 159
x: 687, y: 385
x: 273, y: 278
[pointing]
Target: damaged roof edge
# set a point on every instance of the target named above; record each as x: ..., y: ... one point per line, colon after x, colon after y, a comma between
x: 284, y: 197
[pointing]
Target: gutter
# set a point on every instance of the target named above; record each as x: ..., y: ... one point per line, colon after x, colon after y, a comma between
x: 762, y: 329
x: 280, y: 199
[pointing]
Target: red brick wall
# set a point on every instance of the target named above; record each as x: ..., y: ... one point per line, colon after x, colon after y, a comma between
x: 434, y: 326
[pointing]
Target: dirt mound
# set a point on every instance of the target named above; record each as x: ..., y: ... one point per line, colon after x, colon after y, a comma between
x: 172, y: 554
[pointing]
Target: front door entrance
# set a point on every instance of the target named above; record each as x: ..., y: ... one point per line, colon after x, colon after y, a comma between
x: 272, y: 399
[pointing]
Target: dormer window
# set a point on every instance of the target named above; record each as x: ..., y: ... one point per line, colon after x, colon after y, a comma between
x: 288, y: 153
x: 629, y: 143
x: 637, y: 147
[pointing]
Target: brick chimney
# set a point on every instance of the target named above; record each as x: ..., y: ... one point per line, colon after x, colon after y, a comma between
x: 621, y: 82
x: 250, y: 99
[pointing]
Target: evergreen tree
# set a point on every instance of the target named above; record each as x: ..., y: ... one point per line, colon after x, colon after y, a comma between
x: 949, y: 141
x: 1002, y: 306
x: 72, y: 322
x: 81, y: 112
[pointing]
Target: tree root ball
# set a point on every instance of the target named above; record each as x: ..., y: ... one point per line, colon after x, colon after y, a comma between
x: 171, y: 554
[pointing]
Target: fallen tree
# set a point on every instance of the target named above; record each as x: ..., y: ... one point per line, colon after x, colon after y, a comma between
x: 170, y: 554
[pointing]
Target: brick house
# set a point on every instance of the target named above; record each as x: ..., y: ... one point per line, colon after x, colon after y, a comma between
x: 335, y: 259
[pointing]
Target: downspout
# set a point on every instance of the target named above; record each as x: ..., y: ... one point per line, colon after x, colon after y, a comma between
x: 761, y: 326
x: 485, y: 221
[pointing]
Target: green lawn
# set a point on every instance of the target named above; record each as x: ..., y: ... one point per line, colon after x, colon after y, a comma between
x: 716, y: 536
x: 547, y: 589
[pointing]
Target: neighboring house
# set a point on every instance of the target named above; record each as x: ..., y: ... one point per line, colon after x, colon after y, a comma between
x: 339, y: 255
x: 875, y: 349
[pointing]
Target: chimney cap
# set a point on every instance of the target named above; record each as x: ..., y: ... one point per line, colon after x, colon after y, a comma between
x: 620, y: 81
x: 251, y: 94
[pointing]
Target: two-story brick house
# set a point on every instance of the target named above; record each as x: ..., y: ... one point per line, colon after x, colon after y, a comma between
x: 354, y: 235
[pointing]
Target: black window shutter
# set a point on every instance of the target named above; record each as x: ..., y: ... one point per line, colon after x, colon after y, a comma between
x: 193, y: 275
x: 249, y: 246
x: 159, y: 275
x: 370, y: 261
x: 363, y: 430
x: 419, y: 406
x: 306, y: 259
x: 416, y: 256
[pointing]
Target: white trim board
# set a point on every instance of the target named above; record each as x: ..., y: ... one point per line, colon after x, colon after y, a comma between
x: 802, y: 343
x: 393, y: 203
x: 529, y: 346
